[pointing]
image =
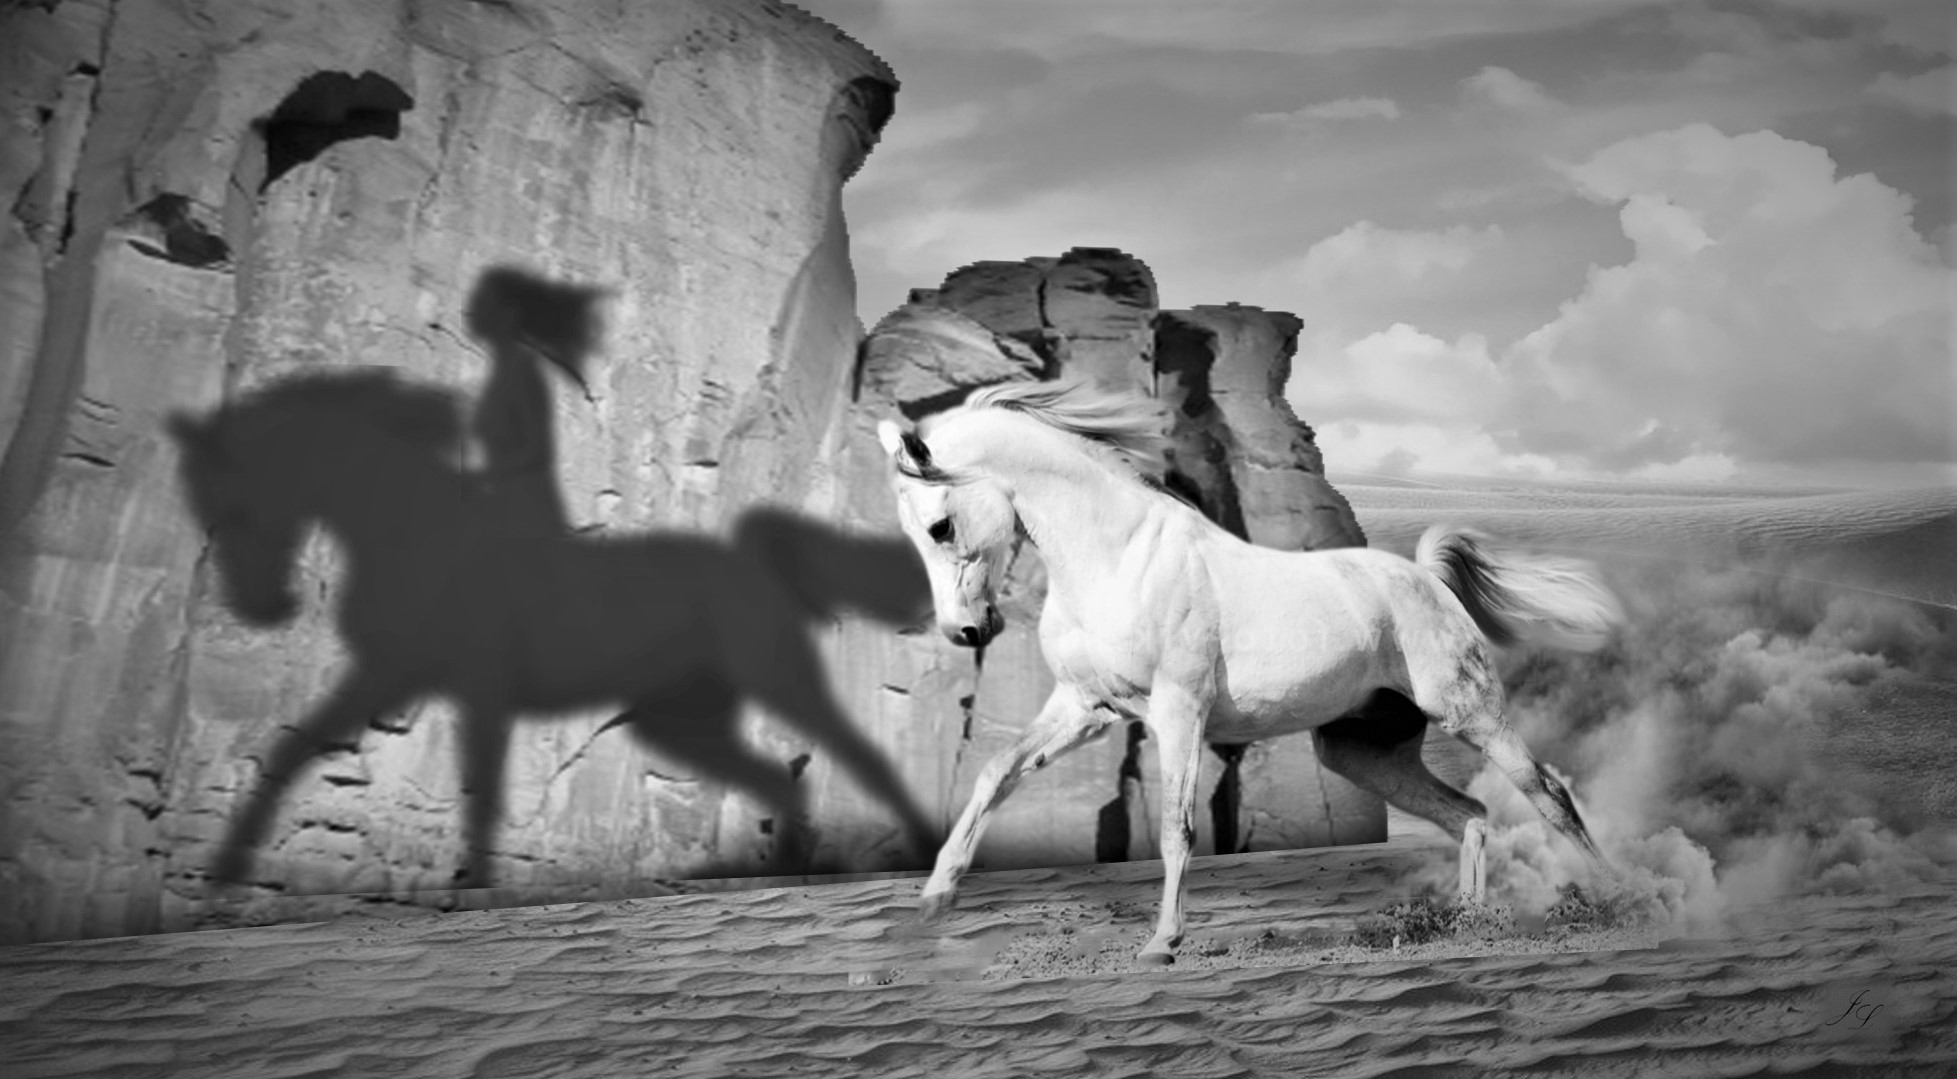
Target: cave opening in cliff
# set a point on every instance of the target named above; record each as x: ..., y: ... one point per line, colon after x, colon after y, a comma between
x: 330, y: 107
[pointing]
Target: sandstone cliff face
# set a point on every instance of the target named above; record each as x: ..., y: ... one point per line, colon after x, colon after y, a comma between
x: 215, y: 203
x: 1091, y: 309
x: 1239, y: 453
x: 210, y: 198
x: 1225, y: 368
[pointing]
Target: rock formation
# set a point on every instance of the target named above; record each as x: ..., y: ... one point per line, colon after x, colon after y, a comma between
x: 211, y: 201
x: 1238, y: 452
x: 209, y: 198
x: 1091, y: 309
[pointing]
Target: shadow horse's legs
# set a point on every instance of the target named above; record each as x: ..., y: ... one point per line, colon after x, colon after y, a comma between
x: 335, y: 723
x: 1379, y: 751
x: 783, y: 673
x: 697, y: 725
x: 485, y: 747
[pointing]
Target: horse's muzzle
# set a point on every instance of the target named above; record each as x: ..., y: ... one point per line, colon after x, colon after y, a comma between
x: 975, y: 636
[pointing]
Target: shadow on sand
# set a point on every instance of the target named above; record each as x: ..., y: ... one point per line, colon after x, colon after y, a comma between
x: 466, y: 582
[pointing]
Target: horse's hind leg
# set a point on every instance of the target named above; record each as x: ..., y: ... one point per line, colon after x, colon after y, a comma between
x: 1471, y: 709
x: 699, y: 727
x: 769, y: 656
x: 1379, y: 751
x: 798, y: 693
x: 485, y: 747
x: 1500, y: 744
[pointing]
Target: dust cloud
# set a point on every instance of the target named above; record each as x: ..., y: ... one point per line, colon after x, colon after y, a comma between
x: 1710, y: 744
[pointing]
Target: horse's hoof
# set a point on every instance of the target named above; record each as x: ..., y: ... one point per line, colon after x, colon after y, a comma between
x: 1156, y: 959
x: 931, y: 908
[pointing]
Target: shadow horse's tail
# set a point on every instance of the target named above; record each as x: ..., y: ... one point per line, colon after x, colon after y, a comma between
x: 1519, y: 597
x: 830, y: 571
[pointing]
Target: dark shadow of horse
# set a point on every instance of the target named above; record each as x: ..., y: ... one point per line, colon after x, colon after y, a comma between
x: 456, y: 587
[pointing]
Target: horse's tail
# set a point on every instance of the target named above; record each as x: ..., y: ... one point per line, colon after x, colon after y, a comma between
x: 829, y: 571
x: 1515, y: 596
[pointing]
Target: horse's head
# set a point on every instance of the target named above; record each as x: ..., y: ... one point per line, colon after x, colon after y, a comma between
x: 254, y: 526
x: 362, y: 453
x: 962, y: 525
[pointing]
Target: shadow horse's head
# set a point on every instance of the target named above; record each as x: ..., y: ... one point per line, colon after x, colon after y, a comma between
x: 255, y: 533
x: 258, y: 473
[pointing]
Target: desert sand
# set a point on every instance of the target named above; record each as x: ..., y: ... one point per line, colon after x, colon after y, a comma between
x: 1767, y: 753
x: 1032, y: 976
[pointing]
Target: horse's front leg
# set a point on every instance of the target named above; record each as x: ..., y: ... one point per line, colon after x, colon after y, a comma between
x: 335, y: 724
x: 1063, y: 723
x: 1175, y: 718
x: 485, y: 746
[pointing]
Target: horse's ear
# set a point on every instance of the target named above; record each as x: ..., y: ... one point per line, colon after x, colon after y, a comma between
x: 909, y: 453
x: 916, y: 450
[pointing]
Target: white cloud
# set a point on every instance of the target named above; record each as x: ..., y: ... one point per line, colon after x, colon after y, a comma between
x: 1500, y: 86
x: 1399, y: 448
x: 1929, y: 93
x: 1772, y: 313
x: 1365, y: 258
x: 1345, y: 108
x: 942, y: 235
x: 1773, y: 318
x: 1398, y: 374
x: 1663, y: 230
x: 1402, y: 399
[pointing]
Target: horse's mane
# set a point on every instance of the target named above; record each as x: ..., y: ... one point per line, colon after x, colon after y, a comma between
x: 1129, y: 424
x: 348, y: 403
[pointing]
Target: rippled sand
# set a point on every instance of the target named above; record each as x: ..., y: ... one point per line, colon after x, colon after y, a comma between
x: 1032, y: 976
x: 1894, y: 542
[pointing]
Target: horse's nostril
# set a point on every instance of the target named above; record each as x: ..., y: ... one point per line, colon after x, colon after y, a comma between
x: 969, y: 634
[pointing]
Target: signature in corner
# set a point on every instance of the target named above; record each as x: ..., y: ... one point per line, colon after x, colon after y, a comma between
x: 1855, y: 1007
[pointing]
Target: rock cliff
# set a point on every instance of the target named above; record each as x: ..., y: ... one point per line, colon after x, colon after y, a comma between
x: 1238, y: 452
x: 601, y: 257
x: 212, y: 198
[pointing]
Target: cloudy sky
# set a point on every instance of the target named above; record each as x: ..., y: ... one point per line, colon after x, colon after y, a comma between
x: 1569, y: 238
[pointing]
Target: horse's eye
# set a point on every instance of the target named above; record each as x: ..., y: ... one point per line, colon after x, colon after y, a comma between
x: 941, y: 532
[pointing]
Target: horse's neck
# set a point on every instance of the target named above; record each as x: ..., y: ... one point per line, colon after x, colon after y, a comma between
x: 1082, y: 519
x: 368, y: 499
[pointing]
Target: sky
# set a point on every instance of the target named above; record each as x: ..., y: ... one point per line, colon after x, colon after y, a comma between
x: 1568, y: 239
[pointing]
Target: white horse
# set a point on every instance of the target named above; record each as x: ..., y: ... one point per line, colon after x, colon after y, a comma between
x: 1153, y: 613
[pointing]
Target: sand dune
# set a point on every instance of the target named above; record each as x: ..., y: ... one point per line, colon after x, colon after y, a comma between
x: 1031, y: 977
x: 1793, y: 519
x: 1898, y: 542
